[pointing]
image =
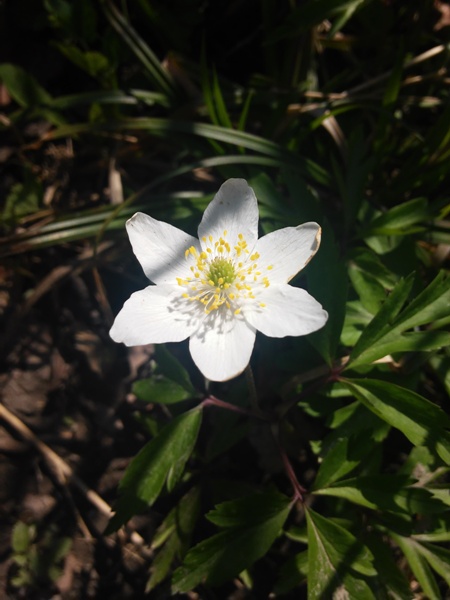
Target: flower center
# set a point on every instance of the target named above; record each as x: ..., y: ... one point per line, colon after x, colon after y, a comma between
x: 222, y: 275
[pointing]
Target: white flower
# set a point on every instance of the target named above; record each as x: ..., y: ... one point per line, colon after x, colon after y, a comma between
x: 218, y: 290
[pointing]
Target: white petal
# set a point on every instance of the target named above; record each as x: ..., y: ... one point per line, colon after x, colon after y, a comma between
x: 222, y: 346
x: 160, y: 248
x: 288, y: 311
x: 287, y: 251
x: 234, y: 209
x: 155, y: 315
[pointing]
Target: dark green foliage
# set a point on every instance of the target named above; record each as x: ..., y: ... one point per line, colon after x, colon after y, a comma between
x: 336, y: 112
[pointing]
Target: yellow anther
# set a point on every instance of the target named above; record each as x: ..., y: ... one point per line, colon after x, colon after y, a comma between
x: 240, y: 236
x: 270, y: 267
x: 220, y: 280
x: 237, y: 311
x: 225, y: 233
x: 262, y: 305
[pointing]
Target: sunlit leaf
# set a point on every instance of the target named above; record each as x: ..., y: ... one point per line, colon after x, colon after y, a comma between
x: 421, y: 421
x: 162, y: 459
x: 336, y: 560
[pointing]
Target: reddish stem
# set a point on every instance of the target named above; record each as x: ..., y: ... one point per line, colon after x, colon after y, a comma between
x: 213, y: 401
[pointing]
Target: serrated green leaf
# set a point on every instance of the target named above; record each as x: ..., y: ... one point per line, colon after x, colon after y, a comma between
x: 160, y: 391
x: 335, y: 556
x: 343, y: 456
x: 228, y: 553
x: 163, y: 458
x: 395, y: 493
x: 421, y: 421
x: 174, y: 535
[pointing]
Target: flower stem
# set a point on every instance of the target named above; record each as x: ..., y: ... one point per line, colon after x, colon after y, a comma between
x: 213, y: 401
x: 252, y: 388
x: 299, y: 490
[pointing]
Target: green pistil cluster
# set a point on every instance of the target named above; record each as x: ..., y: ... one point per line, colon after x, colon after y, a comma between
x: 221, y: 273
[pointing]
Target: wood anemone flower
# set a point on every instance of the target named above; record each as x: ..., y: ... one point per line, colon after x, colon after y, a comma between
x: 220, y: 289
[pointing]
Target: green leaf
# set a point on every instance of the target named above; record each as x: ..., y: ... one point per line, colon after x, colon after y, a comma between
x: 430, y: 305
x: 419, y: 566
x: 23, y: 199
x: 438, y: 558
x: 23, y: 87
x: 22, y: 537
x: 160, y: 391
x: 162, y: 459
x: 343, y: 456
x: 174, y: 535
x: 399, y: 220
x: 386, y: 332
x: 328, y: 283
x: 250, y: 510
x: 370, y: 278
x: 335, y: 557
x: 171, y: 368
x: 94, y: 64
x: 293, y: 573
x: 421, y: 421
x: 395, y: 493
x: 159, y: 76
x: 229, y: 552
x: 371, y: 293
x: 166, y: 128
x: 314, y: 12
x: 381, y: 324
x: 390, y: 581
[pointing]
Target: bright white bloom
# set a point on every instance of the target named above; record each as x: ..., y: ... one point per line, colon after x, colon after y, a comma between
x: 218, y: 290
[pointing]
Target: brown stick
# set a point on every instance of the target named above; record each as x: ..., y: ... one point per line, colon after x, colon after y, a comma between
x: 63, y: 472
